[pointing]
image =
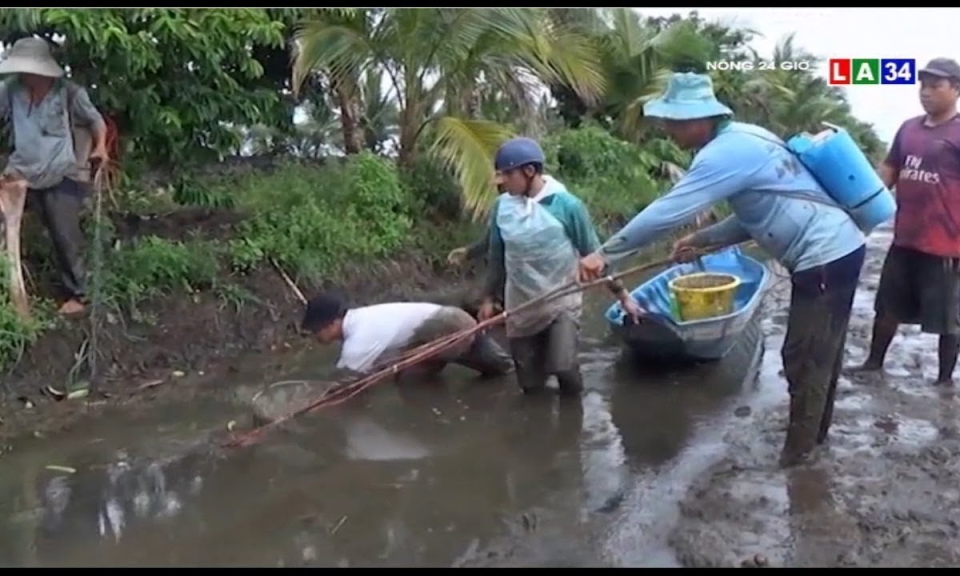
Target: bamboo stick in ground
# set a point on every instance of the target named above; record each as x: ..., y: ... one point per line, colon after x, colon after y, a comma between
x: 13, y: 196
x: 290, y: 283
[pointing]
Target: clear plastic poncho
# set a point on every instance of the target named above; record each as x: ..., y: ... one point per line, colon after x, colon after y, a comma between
x: 538, y: 258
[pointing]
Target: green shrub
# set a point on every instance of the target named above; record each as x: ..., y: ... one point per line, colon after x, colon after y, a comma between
x: 15, y: 333
x: 433, y: 188
x: 151, y: 266
x: 616, y: 179
x: 314, y: 219
x: 188, y: 191
x: 378, y: 202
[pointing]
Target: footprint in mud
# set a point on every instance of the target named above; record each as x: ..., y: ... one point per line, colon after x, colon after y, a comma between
x: 887, y: 424
x: 857, y: 374
x: 757, y: 561
x: 529, y: 521
x: 898, y: 372
x: 612, y: 503
x: 949, y: 433
x: 743, y: 412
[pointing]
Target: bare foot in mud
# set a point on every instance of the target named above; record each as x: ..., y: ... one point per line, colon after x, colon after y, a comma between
x: 72, y: 307
x: 790, y: 459
x: 866, y: 369
x: 946, y: 382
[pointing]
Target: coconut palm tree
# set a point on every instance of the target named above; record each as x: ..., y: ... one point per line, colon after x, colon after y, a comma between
x: 638, y: 58
x: 381, y: 117
x: 793, y: 101
x: 341, y: 78
x: 435, y: 60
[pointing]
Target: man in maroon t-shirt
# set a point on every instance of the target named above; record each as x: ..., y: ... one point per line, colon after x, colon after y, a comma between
x: 920, y: 282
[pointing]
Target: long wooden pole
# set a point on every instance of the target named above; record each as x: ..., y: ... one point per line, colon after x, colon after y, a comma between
x: 340, y: 394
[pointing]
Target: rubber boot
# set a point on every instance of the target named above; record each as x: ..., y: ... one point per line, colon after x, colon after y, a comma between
x: 801, y: 433
x: 571, y: 382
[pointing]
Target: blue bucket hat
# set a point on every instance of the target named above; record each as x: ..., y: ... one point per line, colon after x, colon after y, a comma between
x: 688, y: 96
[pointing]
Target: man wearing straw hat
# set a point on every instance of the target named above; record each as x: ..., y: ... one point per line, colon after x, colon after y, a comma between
x: 780, y: 205
x: 41, y: 106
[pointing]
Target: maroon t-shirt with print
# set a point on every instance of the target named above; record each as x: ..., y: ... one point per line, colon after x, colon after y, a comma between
x: 927, y: 161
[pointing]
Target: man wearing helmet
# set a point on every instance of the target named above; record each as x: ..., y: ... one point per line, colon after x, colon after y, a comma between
x: 537, y: 233
x: 780, y: 205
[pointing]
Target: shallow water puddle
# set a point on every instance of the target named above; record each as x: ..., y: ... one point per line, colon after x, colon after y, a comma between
x: 365, y: 440
x: 457, y: 471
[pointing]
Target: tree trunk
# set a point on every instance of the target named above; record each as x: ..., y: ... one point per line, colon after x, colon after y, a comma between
x: 349, y: 116
x: 409, y: 125
x: 469, y: 101
x: 369, y: 135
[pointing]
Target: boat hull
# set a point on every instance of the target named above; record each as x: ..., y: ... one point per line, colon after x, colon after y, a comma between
x: 660, y: 337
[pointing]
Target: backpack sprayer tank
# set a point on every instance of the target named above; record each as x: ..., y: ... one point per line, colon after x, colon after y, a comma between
x: 846, y: 175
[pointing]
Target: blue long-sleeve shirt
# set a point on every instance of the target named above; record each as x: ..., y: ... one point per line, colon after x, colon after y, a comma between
x: 748, y: 166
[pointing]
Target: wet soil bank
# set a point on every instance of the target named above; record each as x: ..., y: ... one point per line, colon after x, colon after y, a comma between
x: 191, y: 339
x: 884, y: 491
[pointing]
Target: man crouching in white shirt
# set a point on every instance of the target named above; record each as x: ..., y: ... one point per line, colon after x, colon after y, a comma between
x: 372, y: 336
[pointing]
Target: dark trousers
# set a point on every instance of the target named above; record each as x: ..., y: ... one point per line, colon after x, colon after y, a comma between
x: 59, y: 209
x: 820, y: 303
x: 480, y: 353
x: 552, y: 351
x: 920, y: 288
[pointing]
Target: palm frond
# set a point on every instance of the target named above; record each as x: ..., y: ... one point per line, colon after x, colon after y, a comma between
x: 467, y: 147
x: 340, y: 50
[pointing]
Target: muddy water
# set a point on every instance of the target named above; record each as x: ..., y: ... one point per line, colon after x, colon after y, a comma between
x: 457, y: 471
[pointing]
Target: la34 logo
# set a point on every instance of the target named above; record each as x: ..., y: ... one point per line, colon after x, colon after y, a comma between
x: 857, y: 71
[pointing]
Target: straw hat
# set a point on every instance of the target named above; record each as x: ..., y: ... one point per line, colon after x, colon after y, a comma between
x: 30, y: 56
x: 688, y: 96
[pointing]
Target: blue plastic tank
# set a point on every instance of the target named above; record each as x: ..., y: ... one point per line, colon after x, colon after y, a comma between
x: 846, y: 175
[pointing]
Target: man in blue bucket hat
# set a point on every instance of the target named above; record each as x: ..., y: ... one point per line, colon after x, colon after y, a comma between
x: 777, y: 203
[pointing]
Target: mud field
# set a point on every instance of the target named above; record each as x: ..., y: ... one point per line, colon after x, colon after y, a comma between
x: 884, y: 490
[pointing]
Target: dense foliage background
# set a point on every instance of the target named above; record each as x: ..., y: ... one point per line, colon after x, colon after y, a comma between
x: 376, y: 126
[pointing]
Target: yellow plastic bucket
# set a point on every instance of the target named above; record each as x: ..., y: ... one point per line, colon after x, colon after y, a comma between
x: 704, y: 294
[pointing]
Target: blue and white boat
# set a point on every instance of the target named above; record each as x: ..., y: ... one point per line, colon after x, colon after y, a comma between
x: 660, y: 336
